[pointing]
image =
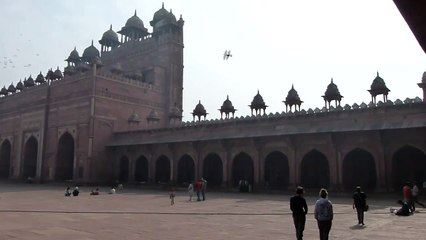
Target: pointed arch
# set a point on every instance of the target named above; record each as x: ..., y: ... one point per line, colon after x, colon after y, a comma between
x: 315, y: 170
x: 213, y: 169
x: 141, y: 169
x: 242, y: 169
x: 65, y: 158
x: 162, y: 169
x: 30, y: 158
x: 276, y: 170
x: 186, y: 169
x: 359, y: 169
x: 408, y: 164
x: 5, y: 158
x: 123, y: 175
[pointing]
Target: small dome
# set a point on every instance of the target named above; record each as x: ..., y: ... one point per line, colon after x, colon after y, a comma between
x: 332, y: 92
x: 11, y: 88
x: 40, y: 78
x: 199, y: 110
x: 159, y: 15
x: 3, y: 91
x: 227, y: 106
x: 292, y: 96
x: 29, y: 82
x: 378, y: 83
x: 90, y: 53
x: 424, y: 78
x: 135, y: 22
x: 110, y: 38
x: 74, y: 57
x: 58, y: 74
x: 258, y: 102
x: 20, y: 86
x: 50, y: 75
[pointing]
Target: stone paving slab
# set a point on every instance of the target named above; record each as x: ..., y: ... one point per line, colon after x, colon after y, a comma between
x: 42, y: 212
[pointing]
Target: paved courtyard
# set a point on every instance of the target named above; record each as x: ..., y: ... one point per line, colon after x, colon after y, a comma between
x: 32, y: 211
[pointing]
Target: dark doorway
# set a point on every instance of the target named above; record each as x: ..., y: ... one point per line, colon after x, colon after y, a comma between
x: 242, y: 169
x: 5, y: 152
x: 65, y: 158
x: 315, y: 172
x: 276, y: 170
x: 162, y: 170
x: 30, y: 158
x: 408, y: 164
x: 186, y: 170
x: 359, y: 169
x: 124, y: 170
x: 213, y: 169
x: 141, y: 169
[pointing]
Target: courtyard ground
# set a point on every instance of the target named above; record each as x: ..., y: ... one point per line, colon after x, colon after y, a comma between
x: 33, y: 211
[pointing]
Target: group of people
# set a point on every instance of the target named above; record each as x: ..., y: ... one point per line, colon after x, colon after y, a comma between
x: 410, y: 192
x: 199, y: 187
x: 75, y: 192
x: 323, y: 211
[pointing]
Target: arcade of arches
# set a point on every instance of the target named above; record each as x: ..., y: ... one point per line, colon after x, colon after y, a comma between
x: 314, y: 169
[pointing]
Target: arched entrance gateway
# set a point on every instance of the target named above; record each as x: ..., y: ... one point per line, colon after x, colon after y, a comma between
x: 123, y: 175
x: 141, y: 169
x: 213, y: 169
x: 408, y: 164
x: 315, y: 171
x: 276, y: 170
x: 5, y: 151
x: 359, y: 169
x: 30, y: 158
x: 242, y: 169
x: 162, y: 170
x: 186, y: 170
x: 65, y: 158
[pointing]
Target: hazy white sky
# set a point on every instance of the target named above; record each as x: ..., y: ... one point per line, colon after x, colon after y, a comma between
x: 275, y: 43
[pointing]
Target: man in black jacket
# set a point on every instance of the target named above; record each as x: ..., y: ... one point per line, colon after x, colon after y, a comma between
x: 299, y: 208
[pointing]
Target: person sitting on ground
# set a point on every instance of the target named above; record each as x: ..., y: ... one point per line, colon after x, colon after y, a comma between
x: 95, y: 192
x: 404, y: 210
x: 68, y: 191
x: 112, y: 191
x: 76, y: 192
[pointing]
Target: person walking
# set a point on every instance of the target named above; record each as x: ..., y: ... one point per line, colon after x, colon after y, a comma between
x: 323, y: 214
x: 415, y: 195
x: 360, y: 204
x: 198, y: 186
x: 299, y: 208
x: 172, y: 196
x: 190, y: 191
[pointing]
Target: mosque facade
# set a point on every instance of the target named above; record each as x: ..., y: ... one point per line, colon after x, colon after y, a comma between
x: 116, y: 115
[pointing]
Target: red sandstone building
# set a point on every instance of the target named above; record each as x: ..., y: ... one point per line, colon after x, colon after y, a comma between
x: 116, y: 116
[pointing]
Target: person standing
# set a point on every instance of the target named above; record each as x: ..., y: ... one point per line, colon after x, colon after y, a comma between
x: 203, y: 188
x: 172, y: 196
x: 415, y: 195
x: 408, y: 196
x: 190, y: 191
x: 360, y: 204
x: 198, y: 186
x: 299, y: 208
x: 323, y: 214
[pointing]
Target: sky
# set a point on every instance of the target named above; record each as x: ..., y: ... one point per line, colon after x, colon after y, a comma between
x: 274, y: 44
